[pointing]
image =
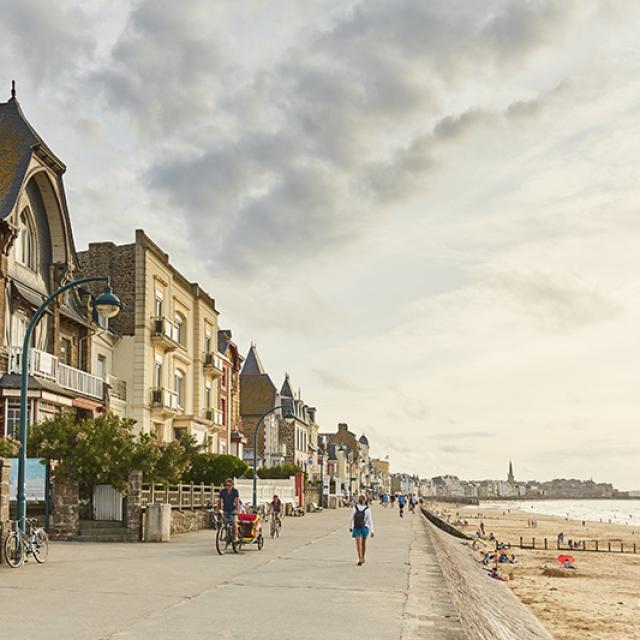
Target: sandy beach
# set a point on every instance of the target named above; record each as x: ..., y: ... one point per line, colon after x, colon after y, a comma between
x: 599, y: 600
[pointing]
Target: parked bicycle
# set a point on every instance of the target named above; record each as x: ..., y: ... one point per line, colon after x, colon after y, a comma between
x: 33, y: 541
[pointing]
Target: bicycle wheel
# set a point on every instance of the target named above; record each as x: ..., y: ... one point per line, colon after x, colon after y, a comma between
x: 272, y: 528
x: 40, y: 546
x: 14, y: 550
x: 260, y: 542
x: 278, y: 528
x: 221, y: 540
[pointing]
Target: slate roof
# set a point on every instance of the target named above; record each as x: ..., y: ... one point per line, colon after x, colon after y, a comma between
x: 252, y: 365
x: 287, y: 390
x: 224, y: 340
x: 363, y: 440
x: 18, y: 140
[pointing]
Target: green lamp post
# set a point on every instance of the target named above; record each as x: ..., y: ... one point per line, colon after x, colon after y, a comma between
x: 105, y: 304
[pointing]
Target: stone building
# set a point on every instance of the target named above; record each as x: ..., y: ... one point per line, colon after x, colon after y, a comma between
x: 348, y: 440
x: 167, y: 346
x: 37, y: 255
x: 295, y: 427
x: 229, y: 402
x: 258, y: 395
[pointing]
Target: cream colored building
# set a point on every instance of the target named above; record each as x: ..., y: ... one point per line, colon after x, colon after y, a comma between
x: 165, y: 347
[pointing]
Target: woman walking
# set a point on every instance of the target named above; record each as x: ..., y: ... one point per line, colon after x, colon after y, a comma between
x: 360, y: 526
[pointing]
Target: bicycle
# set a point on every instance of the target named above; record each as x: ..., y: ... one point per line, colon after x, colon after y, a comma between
x: 225, y: 538
x: 19, y: 544
x: 275, y: 526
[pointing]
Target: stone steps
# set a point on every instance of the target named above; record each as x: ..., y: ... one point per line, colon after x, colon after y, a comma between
x: 104, y: 531
x: 107, y: 537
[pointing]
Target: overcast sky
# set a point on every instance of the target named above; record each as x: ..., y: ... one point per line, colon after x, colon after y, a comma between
x: 425, y: 212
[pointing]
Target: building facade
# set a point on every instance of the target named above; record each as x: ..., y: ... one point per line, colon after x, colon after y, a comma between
x: 37, y: 256
x: 166, y: 350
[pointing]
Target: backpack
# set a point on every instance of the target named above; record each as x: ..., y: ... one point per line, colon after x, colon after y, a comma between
x: 359, y: 518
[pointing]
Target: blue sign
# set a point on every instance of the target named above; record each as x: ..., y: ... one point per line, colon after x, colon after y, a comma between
x: 35, y: 480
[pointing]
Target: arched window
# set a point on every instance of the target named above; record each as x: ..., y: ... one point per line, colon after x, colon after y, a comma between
x: 25, y: 245
x: 179, y: 387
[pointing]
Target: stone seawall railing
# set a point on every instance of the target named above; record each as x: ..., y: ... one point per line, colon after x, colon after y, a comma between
x: 488, y: 609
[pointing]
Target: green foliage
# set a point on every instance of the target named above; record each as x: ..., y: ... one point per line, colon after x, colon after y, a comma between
x: 104, y: 450
x: 280, y: 471
x: 211, y: 468
x: 9, y: 447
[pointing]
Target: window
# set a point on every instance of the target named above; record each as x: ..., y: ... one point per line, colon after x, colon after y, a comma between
x: 25, y: 247
x: 158, y: 304
x: 158, y: 430
x: 223, y: 408
x: 207, y: 341
x: 102, y: 366
x: 18, y: 329
x: 179, y: 386
x: 65, y: 351
x: 157, y: 373
x: 207, y: 395
x: 223, y: 379
x: 181, y: 329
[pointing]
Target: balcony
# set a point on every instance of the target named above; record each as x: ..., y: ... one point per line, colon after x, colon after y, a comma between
x: 45, y: 365
x: 212, y: 363
x: 165, y: 333
x: 165, y: 399
x: 214, y: 415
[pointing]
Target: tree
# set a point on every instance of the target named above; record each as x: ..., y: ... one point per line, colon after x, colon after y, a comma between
x: 212, y: 468
x: 280, y: 471
x: 9, y: 447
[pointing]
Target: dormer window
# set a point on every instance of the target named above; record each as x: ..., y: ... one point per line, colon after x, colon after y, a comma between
x: 25, y: 245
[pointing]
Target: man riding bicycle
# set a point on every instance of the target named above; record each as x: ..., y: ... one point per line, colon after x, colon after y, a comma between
x: 229, y: 499
x: 275, y: 508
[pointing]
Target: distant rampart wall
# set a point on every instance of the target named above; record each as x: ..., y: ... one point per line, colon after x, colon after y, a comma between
x: 442, y: 524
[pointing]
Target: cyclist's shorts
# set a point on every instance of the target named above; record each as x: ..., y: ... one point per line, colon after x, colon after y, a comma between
x: 231, y: 517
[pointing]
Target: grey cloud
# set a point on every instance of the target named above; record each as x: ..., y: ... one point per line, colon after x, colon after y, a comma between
x: 334, y: 381
x: 452, y: 448
x: 448, y: 435
x: 557, y: 305
x: 294, y: 159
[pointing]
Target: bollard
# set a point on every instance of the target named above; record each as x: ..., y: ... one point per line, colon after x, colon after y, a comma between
x: 621, y: 547
x: 609, y: 546
x: 521, y: 542
x: 596, y: 545
x: 533, y: 543
x: 545, y: 544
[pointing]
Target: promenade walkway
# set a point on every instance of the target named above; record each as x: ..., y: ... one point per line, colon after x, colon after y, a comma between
x: 306, y: 584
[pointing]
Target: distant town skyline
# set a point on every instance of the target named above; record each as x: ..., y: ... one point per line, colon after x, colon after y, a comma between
x: 425, y: 212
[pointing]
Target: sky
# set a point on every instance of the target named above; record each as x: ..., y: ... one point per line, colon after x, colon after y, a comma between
x: 425, y: 212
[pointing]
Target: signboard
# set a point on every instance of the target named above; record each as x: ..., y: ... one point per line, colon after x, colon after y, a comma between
x: 326, y: 482
x: 35, y: 480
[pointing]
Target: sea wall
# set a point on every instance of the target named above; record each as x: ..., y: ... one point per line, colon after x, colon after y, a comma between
x: 488, y: 609
x: 444, y: 525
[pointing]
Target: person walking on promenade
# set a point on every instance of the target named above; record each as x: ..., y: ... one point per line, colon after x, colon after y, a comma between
x: 401, y: 501
x: 361, y: 525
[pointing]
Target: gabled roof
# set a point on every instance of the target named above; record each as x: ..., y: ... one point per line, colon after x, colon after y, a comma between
x: 287, y: 390
x: 18, y: 140
x: 253, y: 365
x: 363, y: 440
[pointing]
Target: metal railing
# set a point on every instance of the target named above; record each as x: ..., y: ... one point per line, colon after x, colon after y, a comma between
x: 46, y: 365
x: 180, y: 496
x: 162, y: 327
x: 164, y: 398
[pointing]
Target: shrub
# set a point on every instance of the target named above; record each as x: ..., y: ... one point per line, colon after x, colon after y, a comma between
x: 280, y: 471
x: 9, y: 447
x: 212, y: 468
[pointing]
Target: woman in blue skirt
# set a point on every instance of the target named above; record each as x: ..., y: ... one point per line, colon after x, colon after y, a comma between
x: 361, y: 526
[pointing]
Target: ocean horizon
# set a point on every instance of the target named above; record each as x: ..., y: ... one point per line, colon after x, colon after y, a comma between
x: 595, y: 510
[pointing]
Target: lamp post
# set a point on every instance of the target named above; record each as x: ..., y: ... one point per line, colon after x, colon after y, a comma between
x: 255, y: 454
x: 321, y: 453
x: 108, y: 305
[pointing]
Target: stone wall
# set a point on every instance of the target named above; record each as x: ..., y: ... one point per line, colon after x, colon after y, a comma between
x: 186, y: 521
x: 133, y: 505
x: 65, y: 521
x: 445, y: 526
x: 312, y: 493
x: 5, y: 466
x: 487, y: 608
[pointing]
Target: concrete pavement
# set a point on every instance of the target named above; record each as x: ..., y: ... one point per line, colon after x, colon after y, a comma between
x: 305, y: 584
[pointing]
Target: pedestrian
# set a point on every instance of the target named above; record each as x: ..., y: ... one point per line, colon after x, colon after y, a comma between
x: 361, y: 525
x: 401, y: 501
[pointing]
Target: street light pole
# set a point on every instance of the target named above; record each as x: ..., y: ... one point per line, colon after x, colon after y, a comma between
x: 105, y: 303
x: 255, y: 455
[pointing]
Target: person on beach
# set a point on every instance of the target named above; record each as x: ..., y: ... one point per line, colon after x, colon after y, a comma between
x: 360, y: 526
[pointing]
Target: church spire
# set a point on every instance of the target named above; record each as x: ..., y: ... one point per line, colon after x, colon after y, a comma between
x: 13, y: 89
x: 510, y: 478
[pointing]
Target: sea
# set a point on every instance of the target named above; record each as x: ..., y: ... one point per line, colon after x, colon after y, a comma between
x: 614, y: 511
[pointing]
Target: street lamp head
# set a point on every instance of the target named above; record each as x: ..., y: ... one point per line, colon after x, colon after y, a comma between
x: 107, y: 304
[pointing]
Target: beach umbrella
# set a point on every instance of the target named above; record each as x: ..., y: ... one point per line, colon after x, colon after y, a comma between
x: 562, y: 559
